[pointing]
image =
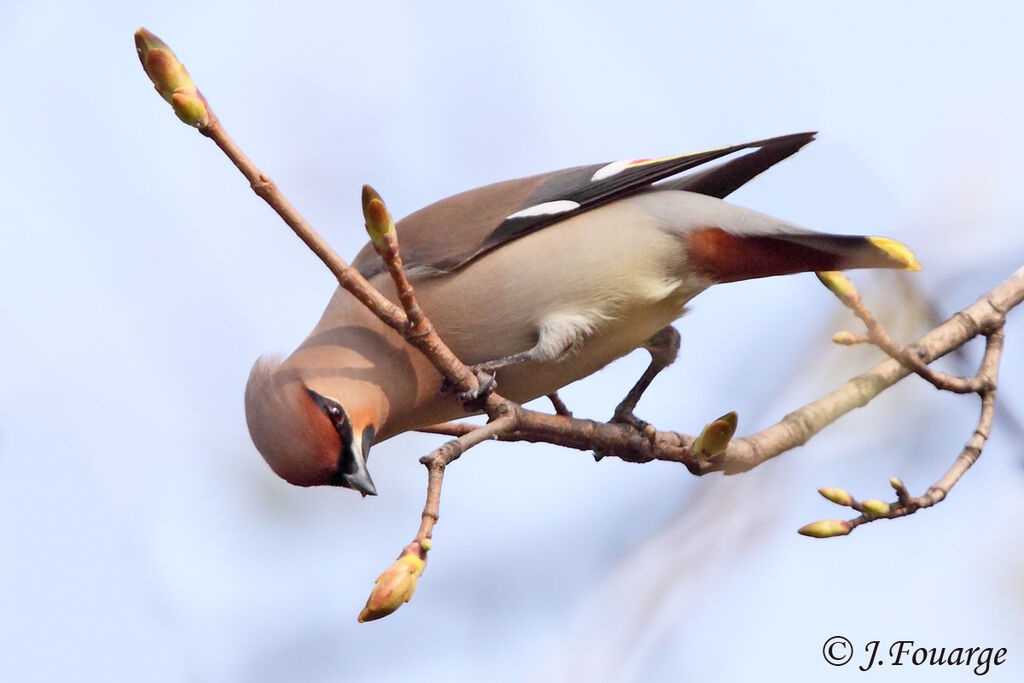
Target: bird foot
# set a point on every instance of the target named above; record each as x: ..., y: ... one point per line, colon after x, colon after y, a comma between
x: 628, y: 418
x: 473, y: 401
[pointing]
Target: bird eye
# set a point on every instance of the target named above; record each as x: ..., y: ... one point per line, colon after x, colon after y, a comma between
x: 336, y: 414
x: 332, y: 410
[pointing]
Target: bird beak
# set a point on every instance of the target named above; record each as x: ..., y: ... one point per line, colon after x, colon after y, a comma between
x: 355, y: 475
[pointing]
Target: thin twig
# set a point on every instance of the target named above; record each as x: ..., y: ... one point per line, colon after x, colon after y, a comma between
x: 988, y: 376
x: 987, y: 380
x: 426, y: 340
x: 262, y: 185
x: 984, y: 315
x: 437, y: 461
x: 418, y: 324
x: 909, y: 356
x: 449, y: 428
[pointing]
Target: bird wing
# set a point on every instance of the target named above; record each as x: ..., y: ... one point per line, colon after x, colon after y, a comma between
x: 449, y: 234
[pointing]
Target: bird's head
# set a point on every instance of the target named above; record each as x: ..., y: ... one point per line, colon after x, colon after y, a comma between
x: 312, y: 432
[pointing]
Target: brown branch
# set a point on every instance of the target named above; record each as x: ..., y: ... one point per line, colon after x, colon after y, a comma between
x: 908, y: 356
x: 795, y: 429
x: 871, y: 511
x: 449, y: 428
x: 985, y: 315
x: 384, y: 236
x: 423, y: 337
x: 511, y: 422
x: 615, y: 439
x: 262, y: 185
x: 987, y: 378
x: 437, y: 461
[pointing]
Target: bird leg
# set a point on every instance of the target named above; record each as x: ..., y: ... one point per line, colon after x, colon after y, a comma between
x: 559, y: 405
x: 555, y: 341
x: 664, y: 348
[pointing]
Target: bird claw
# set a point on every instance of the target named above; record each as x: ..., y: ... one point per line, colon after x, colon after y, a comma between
x: 646, y: 429
x: 473, y: 401
x: 628, y: 418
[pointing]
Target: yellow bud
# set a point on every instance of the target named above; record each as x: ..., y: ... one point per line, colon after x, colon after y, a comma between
x: 715, y: 436
x: 839, y: 284
x: 650, y: 433
x: 844, y: 338
x: 731, y: 419
x: 426, y: 544
x: 875, y: 508
x: 837, y: 496
x: 896, y: 251
x: 896, y: 483
x: 190, y: 107
x: 394, y: 587
x: 162, y: 67
x: 378, y: 219
x: 170, y: 78
x: 826, y: 528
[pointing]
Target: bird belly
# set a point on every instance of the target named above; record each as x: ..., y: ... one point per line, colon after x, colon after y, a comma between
x: 608, y: 283
x: 605, y: 342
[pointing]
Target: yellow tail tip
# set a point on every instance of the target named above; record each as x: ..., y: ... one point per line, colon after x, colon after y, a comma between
x: 897, y: 251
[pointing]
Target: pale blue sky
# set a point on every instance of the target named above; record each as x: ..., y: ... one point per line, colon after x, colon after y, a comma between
x: 143, y: 538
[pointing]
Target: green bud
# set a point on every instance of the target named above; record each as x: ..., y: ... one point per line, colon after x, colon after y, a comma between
x: 163, y: 68
x: 875, y: 508
x: 378, y: 219
x: 839, y: 285
x: 395, y: 586
x: 837, y: 496
x: 826, y: 528
x: 715, y: 436
x: 896, y: 483
x: 170, y: 78
x: 844, y: 338
x: 190, y: 107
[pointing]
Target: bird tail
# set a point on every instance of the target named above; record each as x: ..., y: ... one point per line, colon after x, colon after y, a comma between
x: 729, y: 257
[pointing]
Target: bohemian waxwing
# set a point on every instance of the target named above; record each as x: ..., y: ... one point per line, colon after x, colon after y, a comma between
x: 545, y: 280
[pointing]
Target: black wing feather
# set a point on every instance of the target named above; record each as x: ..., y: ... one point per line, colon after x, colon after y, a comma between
x: 578, y: 187
x: 447, y: 235
x: 725, y: 178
